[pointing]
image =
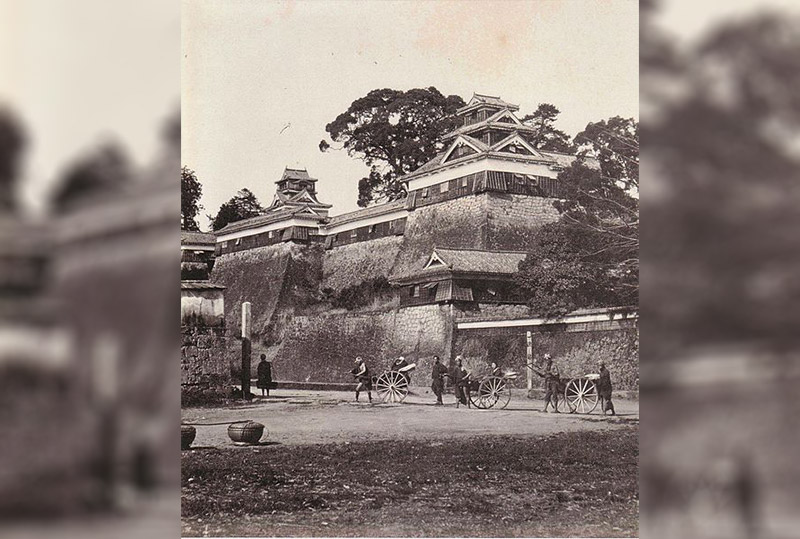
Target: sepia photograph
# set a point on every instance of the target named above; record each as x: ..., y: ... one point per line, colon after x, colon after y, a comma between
x: 403, y: 296
x: 410, y: 269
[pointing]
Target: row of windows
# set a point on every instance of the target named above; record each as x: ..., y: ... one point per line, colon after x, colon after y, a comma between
x: 365, y: 233
x: 238, y: 241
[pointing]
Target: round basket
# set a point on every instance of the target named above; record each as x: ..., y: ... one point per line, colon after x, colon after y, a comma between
x: 246, y: 433
x: 188, y: 434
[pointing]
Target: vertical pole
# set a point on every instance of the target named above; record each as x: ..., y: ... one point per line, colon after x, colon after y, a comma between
x: 530, y: 359
x: 246, y: 333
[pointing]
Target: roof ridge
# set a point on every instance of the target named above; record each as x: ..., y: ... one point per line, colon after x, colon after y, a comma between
x: 471, y: 249
x: 475, y: 94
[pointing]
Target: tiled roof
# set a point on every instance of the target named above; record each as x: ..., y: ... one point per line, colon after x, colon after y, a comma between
x: 372, y: 211
x: 468, y: 261
x: 433, y: 163
x: 197, y: 238
x: 296, y: 174
x: 475, y: 261
x: 479, y: 99
x: 491, y: 121
x: 478, y: 143
x: 437, y: 160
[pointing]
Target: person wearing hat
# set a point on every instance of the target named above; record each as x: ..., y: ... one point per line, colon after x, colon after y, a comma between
x: 604, y: 390
x: 361, y: 372
x: 551, y: 382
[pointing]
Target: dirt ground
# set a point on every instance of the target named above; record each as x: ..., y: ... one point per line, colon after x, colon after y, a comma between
x: 332, y: 467
x: 293, y: 417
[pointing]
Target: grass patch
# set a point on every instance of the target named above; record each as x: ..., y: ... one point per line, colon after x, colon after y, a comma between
x: 573, y: 484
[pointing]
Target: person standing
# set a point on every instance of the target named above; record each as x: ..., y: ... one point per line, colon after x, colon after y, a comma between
x: 604, y: 390
x: 438, y: 373
x: 361, y: 372
x: 551, y: 382
x: 264, y: 381
x: 461, y: 382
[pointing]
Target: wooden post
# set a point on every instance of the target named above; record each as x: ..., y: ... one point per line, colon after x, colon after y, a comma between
x: 246, y: 345
x: 530, y: 359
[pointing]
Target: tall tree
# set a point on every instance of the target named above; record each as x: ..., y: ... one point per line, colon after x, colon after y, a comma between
x: 571, y: 266
x: 547, y: 137
x: 191, y: 191
x: 590, y: 257
x: 615, y: 144
x: 243, y: 205
x: 102, y: 170
x: 12, y: 142
x: 393, y: 132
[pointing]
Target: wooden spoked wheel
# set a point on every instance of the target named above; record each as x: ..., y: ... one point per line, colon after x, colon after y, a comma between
x: 493, y: 391
x: 392, y: 387
x: 581, y: 395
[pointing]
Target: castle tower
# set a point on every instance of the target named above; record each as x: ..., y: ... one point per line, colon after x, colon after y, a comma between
x: 294, y: 215
x: 489, y: 151
x: 297, y: 189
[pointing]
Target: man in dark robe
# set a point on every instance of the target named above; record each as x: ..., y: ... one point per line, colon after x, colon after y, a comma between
x: 438, y: 374
x: 604, y: 390
x: 264, y: 381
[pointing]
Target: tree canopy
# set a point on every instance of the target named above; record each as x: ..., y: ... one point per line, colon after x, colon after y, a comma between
x: 241, y: 206
x: 547, y: 137
x: 571, y: 266
x: 590, y: 257
x: 394, y: 132
x: 191, y: 191
x: 615, y: 144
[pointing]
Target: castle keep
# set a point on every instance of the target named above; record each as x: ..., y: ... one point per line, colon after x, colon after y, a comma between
x: 444, y: 254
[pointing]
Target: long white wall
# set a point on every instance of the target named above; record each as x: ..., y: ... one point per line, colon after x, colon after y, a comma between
x: 266, y: 228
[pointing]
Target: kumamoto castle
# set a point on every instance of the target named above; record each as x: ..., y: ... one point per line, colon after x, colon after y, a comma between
x: 431, y: 274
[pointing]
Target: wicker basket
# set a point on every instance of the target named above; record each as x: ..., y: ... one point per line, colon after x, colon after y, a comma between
x: 246, y: 433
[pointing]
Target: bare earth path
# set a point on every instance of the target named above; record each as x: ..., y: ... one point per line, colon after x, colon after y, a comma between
x: 304, y: 417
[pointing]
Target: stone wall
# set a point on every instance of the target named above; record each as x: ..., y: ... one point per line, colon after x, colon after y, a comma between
x: 308, y: 341
x: 349, y: 264
x: 205, y: 370
x: 322, y: 348
x: 513, y: 219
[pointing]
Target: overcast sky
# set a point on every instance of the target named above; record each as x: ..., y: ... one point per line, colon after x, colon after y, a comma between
x: 260, y: 80
x: 78, y: 72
